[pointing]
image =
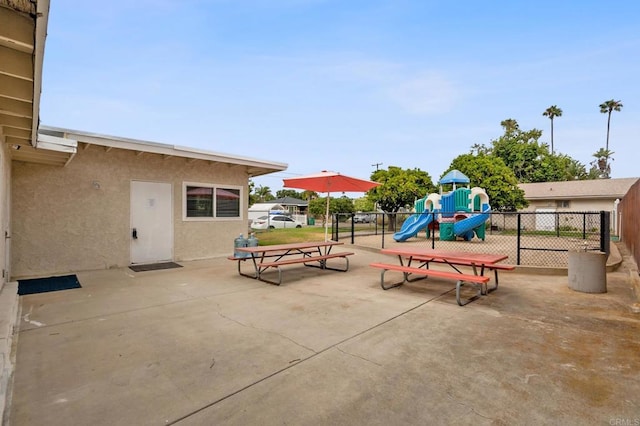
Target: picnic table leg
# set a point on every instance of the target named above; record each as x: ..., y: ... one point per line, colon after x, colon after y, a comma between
x: 399, y: 283
x: 324, y: 266
x: 484, y: 288
x: 459, y: 285
x: 255, y: 269
x: 269, y: 281
x: 495, y: 287
x: 407, y: 274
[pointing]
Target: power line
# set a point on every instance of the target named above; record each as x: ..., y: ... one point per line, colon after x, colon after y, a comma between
x: 376, y: 165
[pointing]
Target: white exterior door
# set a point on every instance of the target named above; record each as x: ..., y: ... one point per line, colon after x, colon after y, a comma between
x: 545, y: 219
x: 151, y: 230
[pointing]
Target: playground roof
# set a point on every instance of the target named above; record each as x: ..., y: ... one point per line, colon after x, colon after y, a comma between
x: 454, y: 176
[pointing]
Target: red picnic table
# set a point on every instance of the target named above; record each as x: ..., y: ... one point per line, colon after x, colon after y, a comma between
x: 416, y: 261
x: 311, y: 253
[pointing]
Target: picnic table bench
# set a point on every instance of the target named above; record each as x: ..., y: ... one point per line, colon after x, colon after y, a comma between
x: 460, y: 279
x: 495, y: 267
x: 313, y: 254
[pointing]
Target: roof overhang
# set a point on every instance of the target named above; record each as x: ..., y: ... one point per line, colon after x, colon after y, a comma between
x: 67, y: 141
x: 23, y: 30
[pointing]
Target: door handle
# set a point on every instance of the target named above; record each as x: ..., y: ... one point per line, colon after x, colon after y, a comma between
x: 134, y: 234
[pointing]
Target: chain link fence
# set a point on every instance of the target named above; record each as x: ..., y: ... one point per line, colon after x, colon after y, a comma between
x: 541, y: 238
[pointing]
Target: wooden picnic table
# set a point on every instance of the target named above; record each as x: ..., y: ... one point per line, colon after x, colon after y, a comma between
x: 416, y: 260
x: 310, y: 253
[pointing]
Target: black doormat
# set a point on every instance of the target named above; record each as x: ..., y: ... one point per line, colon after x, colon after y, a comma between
x: 43, y: 285
x: 154, y: 266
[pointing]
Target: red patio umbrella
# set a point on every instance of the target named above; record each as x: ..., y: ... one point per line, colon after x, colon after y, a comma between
x: 329, y: 182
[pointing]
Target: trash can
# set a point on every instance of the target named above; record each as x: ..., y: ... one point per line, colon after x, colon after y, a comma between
x: 588, y: 271
x: 311, y: 221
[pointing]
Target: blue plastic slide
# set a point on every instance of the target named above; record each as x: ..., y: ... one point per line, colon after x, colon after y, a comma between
x: 464, y: 226
x: 414, y: 224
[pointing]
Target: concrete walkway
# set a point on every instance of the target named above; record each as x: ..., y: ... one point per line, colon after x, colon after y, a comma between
x: 200, y: 345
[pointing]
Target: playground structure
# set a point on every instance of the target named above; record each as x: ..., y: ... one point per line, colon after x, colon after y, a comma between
x: 459, y: 213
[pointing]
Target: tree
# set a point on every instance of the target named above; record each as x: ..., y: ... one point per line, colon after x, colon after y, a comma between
x: 530, y: 159
x: 490, y: 173
x: 399, y: 188
x: 309, y: 195
x: 364, y: 204
x: 552, y: 112
x: 264, y: 193
x: 600, y: 166
x: 608, y: 107
x: 318, y: 206
x: 287, y: 193
x: 573, y: 169
x: 253, y: 198
x: 510, y: 125
x: 343, y: 204
x: 521, y: 152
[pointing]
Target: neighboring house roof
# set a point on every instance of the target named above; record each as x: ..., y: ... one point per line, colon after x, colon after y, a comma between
x: 291, y: 201
x: 69, y: 137
x: 263, y: 207
x: 576, y: 189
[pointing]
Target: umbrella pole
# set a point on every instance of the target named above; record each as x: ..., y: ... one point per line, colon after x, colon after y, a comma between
x: 326, y: 220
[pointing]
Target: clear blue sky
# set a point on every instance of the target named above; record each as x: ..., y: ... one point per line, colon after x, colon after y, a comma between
x: 343, y: 85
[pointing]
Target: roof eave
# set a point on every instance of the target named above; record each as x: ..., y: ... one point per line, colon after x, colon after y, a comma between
x: 255, y: 167
x: 42, y: 23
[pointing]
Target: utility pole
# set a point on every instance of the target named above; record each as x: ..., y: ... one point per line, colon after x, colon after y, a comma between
x: 376, y: 165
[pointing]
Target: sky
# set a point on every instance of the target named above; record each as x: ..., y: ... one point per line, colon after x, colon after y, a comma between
x: 348, y: 86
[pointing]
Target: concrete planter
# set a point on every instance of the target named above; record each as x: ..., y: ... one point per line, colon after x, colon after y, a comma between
x: 588, y: 271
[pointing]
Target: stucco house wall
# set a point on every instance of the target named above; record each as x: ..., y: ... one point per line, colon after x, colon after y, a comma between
x: 5, y: 222
x: 64, y: 222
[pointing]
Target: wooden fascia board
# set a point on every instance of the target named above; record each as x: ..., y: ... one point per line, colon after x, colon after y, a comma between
x: 55, y: 143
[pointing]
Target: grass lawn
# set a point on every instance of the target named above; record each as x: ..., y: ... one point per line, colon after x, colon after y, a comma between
x: 297, y: 235
x: 285, y: 236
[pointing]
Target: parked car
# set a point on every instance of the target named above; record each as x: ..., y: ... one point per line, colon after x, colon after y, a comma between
x: 364, y: 218
x: 275, y: 221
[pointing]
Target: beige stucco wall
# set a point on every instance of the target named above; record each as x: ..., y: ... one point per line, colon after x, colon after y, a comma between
x: 575, y: 205
x: 62, y: 223
x: 5, y: 176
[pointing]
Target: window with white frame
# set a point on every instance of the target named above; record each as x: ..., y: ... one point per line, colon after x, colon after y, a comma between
x: 209, y: 201
x: 562, y: 203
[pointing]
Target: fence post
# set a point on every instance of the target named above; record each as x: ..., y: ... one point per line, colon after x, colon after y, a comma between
x: 383, y: 215
x: 433, y: 234
x: 605, y: 232
x: 353, y: 229
x: 518, y: 239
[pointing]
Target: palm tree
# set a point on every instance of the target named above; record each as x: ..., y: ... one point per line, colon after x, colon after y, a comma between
x: 510, y: 125
x: 263, y: 192
x: 552, y: 112
x: 601, y: 163
x: 309, y: 195
x: 607, y: 108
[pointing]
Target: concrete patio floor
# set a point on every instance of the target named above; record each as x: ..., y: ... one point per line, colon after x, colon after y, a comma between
x: 200, y: 345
